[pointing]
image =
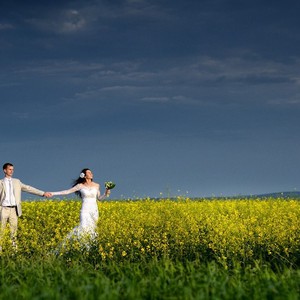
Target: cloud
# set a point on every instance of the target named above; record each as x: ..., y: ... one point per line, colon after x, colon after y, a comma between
x: 57, y: 67
x: 73, y: 21
x: 5, y: 26
x: 77, y: 17
x: 283, y: 102
x: 156, y: 99
x: 199, y: 70
x: 205, y: 70
x: 21, y: 115
x: 63, y: 22
x: 171, y: 100
x: 127, y: 9
x: 199, y: 80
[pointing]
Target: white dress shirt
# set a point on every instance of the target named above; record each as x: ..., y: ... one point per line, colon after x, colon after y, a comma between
x: 9, y: 195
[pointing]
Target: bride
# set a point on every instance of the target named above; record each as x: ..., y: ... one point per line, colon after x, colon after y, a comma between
x: 89, y: 192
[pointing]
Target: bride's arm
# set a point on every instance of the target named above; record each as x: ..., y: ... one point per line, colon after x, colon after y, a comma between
x: 99, y: 196
x: 69, y: 191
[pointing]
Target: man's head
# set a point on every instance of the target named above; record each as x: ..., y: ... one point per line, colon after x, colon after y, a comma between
x: 8, y: 169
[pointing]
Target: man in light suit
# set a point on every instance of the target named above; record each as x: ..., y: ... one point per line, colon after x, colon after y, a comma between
x: 10, y: 200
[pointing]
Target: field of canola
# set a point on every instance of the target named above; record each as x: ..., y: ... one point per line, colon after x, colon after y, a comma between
x: 226, y: 231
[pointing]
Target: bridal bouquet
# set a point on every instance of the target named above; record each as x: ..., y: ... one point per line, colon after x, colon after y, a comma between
x: 109, y: 185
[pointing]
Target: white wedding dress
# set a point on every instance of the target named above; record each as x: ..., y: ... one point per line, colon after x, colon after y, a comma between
x: 89, y: 214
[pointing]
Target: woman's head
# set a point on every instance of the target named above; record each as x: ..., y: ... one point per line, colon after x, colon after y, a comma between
x: 83, y: 176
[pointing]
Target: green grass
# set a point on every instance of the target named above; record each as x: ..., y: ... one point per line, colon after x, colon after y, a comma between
x: 55, y: 278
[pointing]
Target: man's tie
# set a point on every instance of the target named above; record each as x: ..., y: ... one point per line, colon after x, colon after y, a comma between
x: 10, y: 191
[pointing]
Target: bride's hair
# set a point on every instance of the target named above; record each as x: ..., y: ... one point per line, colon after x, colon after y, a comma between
x: 80, y: 179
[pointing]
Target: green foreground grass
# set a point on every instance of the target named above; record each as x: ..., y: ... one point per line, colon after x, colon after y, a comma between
x: 55, y: 278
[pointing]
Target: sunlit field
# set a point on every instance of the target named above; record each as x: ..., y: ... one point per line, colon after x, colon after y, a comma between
x: 166, y: 249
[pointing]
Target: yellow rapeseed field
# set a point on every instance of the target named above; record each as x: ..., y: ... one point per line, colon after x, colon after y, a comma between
x: 242, y: 230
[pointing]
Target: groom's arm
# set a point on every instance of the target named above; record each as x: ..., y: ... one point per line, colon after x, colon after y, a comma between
x: 32, y: 190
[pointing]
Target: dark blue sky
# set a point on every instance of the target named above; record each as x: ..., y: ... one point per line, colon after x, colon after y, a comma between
x: 165, y: 98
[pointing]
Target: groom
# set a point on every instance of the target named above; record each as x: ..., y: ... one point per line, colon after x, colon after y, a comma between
x: 10, y: 200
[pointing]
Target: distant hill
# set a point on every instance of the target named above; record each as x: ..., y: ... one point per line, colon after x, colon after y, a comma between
x: 294, y: 194
x: 275, y: 195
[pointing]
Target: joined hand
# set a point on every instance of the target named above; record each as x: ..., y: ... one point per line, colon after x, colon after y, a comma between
x: 47, y: 194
